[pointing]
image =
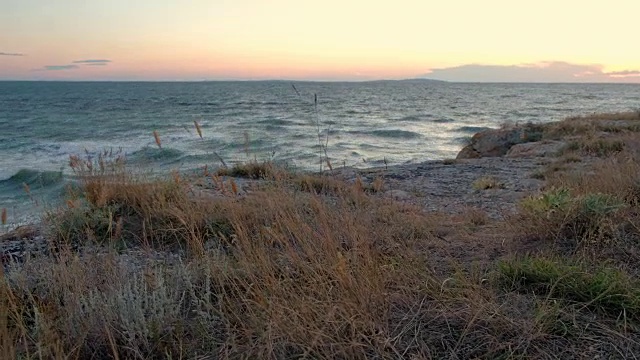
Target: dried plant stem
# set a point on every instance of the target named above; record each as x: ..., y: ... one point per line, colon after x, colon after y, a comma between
x: 157, y: 138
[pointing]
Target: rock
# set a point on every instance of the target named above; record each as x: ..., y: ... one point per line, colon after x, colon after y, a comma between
x: 497, y: 142
x: 536, y: 149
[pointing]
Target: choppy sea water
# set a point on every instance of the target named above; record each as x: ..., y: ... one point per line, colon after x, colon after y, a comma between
x: 364, y: 124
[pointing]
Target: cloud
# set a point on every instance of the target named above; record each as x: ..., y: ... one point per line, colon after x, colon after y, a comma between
x: 93, y: 62
x: 10, y: 54
x: 75, y: 65
x: 624, y: 73
x: 547, y: 71
x: 58, y: 67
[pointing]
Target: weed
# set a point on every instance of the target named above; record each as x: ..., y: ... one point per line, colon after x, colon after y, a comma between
x: 487, y: 182
x: 476, y: 217
x: 252, y: 170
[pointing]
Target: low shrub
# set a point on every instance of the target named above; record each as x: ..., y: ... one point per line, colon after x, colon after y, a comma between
x: 577, y: 221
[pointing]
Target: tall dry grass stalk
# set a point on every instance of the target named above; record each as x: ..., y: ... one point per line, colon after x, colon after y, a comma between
x: 157, y: 138
x: 198, y: 129
x: 322, y: 144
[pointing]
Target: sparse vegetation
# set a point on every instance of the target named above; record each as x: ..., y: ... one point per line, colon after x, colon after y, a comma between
x: 487, y: 182
x: 579, y: 222
x: 252, y: 170
x: 589, y: 125
x: 596, y: 147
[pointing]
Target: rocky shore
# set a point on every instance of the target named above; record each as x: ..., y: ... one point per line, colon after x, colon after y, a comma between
x: 489, y: 176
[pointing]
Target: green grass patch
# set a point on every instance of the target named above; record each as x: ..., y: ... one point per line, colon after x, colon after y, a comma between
x: 579, y: 222
x: 602, y: 289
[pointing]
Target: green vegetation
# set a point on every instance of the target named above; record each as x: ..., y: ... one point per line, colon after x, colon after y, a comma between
x: 602, y: 288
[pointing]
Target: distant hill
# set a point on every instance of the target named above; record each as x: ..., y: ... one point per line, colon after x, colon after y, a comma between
x: 424, y: 80
x: 413, y: 80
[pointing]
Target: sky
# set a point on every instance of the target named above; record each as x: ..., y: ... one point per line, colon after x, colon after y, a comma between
x: 353, y: 40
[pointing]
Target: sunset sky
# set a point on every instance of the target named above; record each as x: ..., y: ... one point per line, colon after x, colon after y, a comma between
x: 457, y: 40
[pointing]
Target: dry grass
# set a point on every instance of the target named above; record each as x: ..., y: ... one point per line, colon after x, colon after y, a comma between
x: 600, y: 147
x: 591, y: 213
x: 476, y: 217
x: 277, y: 274
x: 251, y: 170
x: 308, y: 266
x: 486, y: 183
x: 592, y: 124
x: 157, y: 139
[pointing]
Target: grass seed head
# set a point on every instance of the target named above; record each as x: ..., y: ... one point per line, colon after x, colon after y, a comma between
x: 198, y: 129
x: 157, y: 137
x: 234, y: 187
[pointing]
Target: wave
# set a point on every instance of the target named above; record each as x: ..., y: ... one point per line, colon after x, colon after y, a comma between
x: 33, y: 178
x: 411, y: 118
x: 443, y: 120
x: 155, y: 154
x: 357, y: 112
x: 461, y: 140
x: 472, y: 129
x: 390, y: 133
x: 276, y: 121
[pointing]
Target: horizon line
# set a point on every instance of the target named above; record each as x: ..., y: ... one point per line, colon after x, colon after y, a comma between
x: 318, y: 81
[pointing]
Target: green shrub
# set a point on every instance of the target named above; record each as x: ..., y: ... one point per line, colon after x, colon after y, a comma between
x: 80, y: 223
x: 548, y: 201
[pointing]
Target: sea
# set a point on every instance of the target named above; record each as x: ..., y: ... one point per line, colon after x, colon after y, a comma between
x: 361, y: 124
